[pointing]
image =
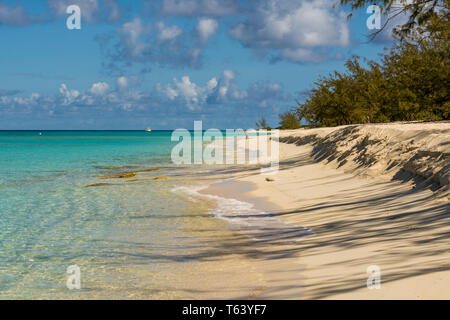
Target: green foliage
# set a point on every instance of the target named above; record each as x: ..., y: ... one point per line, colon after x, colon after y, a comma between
x: 419, y: 12
x: 289, y: 120
x: 262, y: 124
x: 412, y: 82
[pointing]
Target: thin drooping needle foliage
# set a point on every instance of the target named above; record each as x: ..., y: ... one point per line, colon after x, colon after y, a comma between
x: 419, y: 13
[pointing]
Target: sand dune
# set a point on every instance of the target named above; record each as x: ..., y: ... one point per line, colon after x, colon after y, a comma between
x: 372, y: 195
x: 400, y: 151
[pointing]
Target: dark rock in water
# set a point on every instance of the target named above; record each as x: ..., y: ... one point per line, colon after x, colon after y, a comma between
x: 148, y: 170
x: 115, y: 167
x: 161, y: 178
x: 99, y: 185
x: 122, y: 175
x: 135, y: 168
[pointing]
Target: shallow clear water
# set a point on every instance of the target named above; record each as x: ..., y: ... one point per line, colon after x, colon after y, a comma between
x: 125, y: 235
x: 62, y: 204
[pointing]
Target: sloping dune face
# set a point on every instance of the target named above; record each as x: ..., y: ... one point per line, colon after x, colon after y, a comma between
x: 417, y: 152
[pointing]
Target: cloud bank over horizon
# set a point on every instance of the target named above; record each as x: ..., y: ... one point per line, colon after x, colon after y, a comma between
x: 219, y: 96
x: 180, y: 40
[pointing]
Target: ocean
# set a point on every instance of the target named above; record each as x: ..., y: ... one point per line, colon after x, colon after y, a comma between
x: 60, y: 206
x: 114, y: 205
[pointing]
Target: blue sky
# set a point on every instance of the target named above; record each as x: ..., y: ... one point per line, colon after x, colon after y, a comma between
x: 163, y: 64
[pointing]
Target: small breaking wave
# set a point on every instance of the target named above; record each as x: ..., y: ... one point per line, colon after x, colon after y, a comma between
x: 244, y: 216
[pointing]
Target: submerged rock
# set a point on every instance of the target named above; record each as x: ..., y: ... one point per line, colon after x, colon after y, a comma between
x: 115, y: 167
x: 148, y: 170
x: 122, y: 175
x: 161, y: 178
x: 98, y: 185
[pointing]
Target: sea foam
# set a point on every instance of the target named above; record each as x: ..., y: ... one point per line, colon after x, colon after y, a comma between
x: 244, y: 216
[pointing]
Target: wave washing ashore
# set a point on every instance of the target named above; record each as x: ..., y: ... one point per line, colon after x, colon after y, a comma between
x: 243, y: 215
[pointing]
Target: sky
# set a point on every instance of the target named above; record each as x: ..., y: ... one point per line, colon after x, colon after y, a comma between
x: 165, y: 63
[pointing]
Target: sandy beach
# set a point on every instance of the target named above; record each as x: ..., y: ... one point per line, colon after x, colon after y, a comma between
x: 369, y: 195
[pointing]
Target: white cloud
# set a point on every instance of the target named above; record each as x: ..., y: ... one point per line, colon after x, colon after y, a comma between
x: 206, y: 28
x: 227, y: 89
x: 187, y: 91
x: 122, y: 83
x: 293, y: 27
x: 171, y: 93
x: 187, y: 88
x: 99, y: 88
x: 199, y: 7
x: 301, y: 55
x: 35, y: 96
x: 211, y: 84
x: 179, y: 103
x: 14, y: 15
x: 68, y: 96
x: 166, y: 33
x: 190, y: 92
x: 214, y: 92
x: 143, y: 44
x: 228, y: 74
x: 130, y: 34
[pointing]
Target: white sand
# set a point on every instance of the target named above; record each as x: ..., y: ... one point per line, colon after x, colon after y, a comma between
x: 341, y: 185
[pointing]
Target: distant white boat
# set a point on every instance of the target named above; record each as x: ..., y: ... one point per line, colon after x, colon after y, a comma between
x: 148, y: 129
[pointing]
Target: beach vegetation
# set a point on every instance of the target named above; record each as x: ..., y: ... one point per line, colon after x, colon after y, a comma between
x: 418, y: 12
x: 289, y: 120
x: 410, y: 82
x: 262, y: 124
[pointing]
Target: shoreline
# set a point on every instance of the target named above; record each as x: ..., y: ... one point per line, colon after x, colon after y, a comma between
x: 241, y: 263
x: 357, y: 221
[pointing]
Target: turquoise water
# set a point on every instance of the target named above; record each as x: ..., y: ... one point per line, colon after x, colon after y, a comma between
x: 59, y: 206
